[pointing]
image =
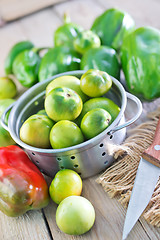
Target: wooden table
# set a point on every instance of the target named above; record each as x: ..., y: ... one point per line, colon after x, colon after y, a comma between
x: 39, y: 28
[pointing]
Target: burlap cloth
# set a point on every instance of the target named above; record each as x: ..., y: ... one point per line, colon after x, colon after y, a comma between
x: 118, y: 179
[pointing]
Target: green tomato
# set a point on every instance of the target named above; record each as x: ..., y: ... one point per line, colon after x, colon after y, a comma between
x: 95, y: 83
x: 63, y: 104
x: 4, y: 103
x: 65, y: 134
x: 8, y: 88
x: 102, y: 102
x: 94, y: 122
x: 5, y: 137
x: 75, y: 215
x: 35, y: 131
x: 65, y: 183
x: 86, y: 40
x: 67, y: 81
x: 42, y: 112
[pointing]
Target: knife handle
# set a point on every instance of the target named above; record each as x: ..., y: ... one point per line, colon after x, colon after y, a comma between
x: 152, y: 153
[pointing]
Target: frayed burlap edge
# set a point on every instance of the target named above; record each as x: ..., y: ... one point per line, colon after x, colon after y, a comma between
x: 118, y: 179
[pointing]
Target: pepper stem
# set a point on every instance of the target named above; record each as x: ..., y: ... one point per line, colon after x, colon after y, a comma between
x: 37, y: 50
x: 66, y: 18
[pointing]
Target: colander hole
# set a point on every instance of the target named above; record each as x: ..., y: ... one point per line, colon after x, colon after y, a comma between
x: 111, y: 137
x: 37, y: 162
x: 79, y: 174
x: 103, y: 154
x: 105, y: 162
x: 36, y: 103
x: 33, y: 153
x: 61, y: 167
x: 59, y: 159
x: 101, y: 145
x: 76, y: 166
x: 73, y: 157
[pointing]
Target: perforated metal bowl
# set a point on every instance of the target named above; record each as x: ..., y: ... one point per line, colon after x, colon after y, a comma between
x: 87, y: 158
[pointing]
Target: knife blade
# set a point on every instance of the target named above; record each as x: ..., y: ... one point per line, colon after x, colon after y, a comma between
x: 146, y: 178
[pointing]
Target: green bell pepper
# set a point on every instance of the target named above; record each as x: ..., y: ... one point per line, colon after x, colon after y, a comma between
x: 65, y: 34
x: 112, y: 26
x: 86, y: 40
x: 103, y: 58
x: 57, y: 60
x: 25, y: 67
x: 14, y: 51
x: 140, y: 57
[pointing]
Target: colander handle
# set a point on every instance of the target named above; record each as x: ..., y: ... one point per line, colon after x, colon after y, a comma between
x: 132, y: 120
x: 3, y: 117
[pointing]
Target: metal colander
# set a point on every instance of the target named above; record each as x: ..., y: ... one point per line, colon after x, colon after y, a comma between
x: 87, y: 158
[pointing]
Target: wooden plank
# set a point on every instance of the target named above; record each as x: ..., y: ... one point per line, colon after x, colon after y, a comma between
x: 47, y: 22
x: 152, y: 232
x: 27, y: 227
x: 13, y: 9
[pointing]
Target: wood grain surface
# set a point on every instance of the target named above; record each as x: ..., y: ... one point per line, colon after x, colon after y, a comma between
x: 14, y: 9
x: 39, y: 28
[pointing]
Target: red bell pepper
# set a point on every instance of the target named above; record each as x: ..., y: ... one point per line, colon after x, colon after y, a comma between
x: 22, y: 186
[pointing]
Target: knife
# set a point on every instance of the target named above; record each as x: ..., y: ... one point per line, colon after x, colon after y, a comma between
x: 146, y: 178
